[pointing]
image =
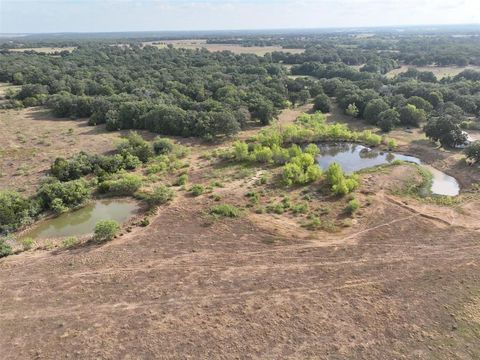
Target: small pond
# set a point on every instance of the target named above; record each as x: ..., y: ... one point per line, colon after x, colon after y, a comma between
x: 355, y: 157
x: 83, y: 220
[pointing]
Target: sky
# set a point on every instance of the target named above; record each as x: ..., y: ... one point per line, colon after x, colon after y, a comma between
x: 43, y: 16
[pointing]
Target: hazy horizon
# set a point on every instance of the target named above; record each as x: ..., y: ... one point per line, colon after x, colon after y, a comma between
x: 84, y: 16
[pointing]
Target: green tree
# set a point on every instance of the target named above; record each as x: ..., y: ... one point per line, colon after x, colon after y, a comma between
x: 373, y: 110
x: 388, y: 119
x: 446, y: 131
x: 322, y: 103
x: 472, y: 151
x: 411, y: 116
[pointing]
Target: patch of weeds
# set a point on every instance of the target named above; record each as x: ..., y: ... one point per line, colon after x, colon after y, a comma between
x: 182, y: 180
x: 352, y: 207
x: 144, y: 222
x: 225, y: 210
x: 197, y: 190
x: 260, y: 210
x: 301, y: 208
x: 275, y: 208
x: 216, y: 184
x: 27, y: 243
x: 70, y: 242
x: 253, y: 197
x: 216, y: 197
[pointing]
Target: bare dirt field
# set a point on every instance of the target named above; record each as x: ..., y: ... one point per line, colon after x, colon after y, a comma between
x: 439, y: 71
x: 237, y: 49
x: 31, y: 139
x: 400, y: 282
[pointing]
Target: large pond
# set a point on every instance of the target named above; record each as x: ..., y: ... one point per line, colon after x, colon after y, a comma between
x: 83, y: 220
x: 355, y: 157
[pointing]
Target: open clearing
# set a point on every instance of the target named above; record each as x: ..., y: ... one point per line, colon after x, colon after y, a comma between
x: 237, y: 49
x: 31, y: 139
x: 439, y: 71
x: 47, y: 50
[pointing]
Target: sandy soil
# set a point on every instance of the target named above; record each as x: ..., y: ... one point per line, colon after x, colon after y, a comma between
x: 31, y: 139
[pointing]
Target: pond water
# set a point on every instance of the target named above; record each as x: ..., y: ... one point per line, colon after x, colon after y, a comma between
x: 355, y: 157
x: 82, y: 221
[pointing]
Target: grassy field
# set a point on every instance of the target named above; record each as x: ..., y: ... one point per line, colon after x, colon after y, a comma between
x: 47, y: 50
x: 237, y: 49
x: 31, y: 139
x: 439, y: 71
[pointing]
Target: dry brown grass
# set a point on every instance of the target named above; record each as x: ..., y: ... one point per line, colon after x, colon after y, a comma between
x: 237, y: 49
x: 439, y: 71
x: 47, y: 50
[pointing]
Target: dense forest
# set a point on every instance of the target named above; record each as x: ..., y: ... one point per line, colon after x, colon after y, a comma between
x: 169, y: 91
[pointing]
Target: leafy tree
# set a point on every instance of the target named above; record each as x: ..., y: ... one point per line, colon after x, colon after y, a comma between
x: 445, y: 130
x: 411, y: 116
x: 388, y: 119
x: 472, y: 151
x: 373, y: 110
x: 322, y: 103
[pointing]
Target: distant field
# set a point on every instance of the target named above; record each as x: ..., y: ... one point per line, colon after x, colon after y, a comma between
x: 237, y: 49
x: 48, y: 50
x: 439, y: 71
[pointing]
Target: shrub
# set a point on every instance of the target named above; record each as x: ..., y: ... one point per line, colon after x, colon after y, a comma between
x: 473, y: 151
x: 106, y: 230
x: 160, y: 195
x: 134, y: 144
x: 263, y: 154
x: 312, y: 149
x: 70, y: 193
x: 225, y: 210
x: 69, y: 242
x: 125, y: 184
x: 240, y: 151
x: 300, y: 208
x: 197, y: 190
x: 301, y: 170
x: 27, y: 243
x: 5, y: 249
x: 14, y: 210
x: 182, y: 180
x: 340, y: 185
x: 162, y: 145
x: 352, y: 206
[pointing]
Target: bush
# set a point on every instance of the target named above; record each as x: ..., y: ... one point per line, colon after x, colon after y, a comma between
x: 27, y: 243
x: 182, y: 180
x: 70, y: 193
x: 134, y: 144
x: 69, y: 242
x: 160, y: 195
x: 352, y: 206
x: 301, y: 170
x: 14, y: 210
x: 5, y: 249
x: 472, y: 151
x: 312, y: 149
x: 106, y: 230
x: 197, y: 190
x: 162, y: 145
x: 225, y: 210
x: 322, y: 103
x: 125, y: 184
x: 340, y: 185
